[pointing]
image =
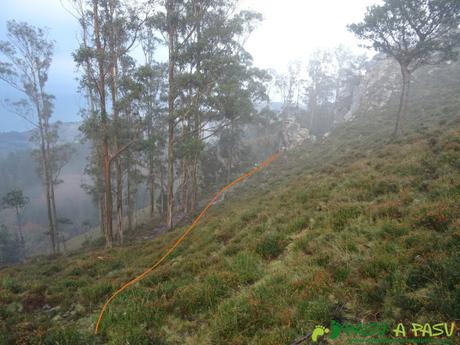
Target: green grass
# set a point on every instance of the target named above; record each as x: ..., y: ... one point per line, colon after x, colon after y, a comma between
x: 352, y: 227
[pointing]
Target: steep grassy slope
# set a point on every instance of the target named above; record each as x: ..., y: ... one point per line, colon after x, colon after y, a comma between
x: 352, y: 228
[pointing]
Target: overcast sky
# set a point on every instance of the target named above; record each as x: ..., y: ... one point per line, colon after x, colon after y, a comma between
x: 291, y: 30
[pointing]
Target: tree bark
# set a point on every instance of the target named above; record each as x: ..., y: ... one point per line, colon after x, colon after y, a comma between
x: 185, y: 174
x: 197, y: 129
x: 171, y: 120
x: 104, y: 125
x: 102, y: 215
x: 113, y: 67
x: 152, y: 191
x: 402, y: 101
x: 151, y: 162
x: 129, y: 194
x: 46, y: 176
x: 162, y: 190
x: 230, y: 157
x: 194, y: 197
x: 54, y: 213
x: 20, y: 235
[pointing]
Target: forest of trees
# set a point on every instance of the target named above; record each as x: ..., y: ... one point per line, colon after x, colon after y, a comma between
x: 174, y: 103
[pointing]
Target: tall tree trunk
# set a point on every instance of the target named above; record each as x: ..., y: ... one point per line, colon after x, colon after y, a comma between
x: 129, y: 194
x: 102, y: 215
x: 20, y: 234
x: 194, y: 197
x: 152, y: 189
x: 229, y: 164
x: 110, y: 13
x: 92, y: 101
x: 107, y: 194
x: 47, y: 177
x: 402, y: 101
x: 151, y: 164
x: 171, y: 120
x: 312, y: 111
x: 230, y: 154
x: 162, y: 190
x: 45, y: 156
x: 54, y: 213
x: 197, y: 133
x: 185, y: 172
x: 105, y: 129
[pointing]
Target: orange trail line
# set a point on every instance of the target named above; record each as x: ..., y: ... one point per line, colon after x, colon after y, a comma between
x: 183, y: 236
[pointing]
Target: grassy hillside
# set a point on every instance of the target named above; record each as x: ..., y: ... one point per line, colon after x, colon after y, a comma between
x: 351, y: 228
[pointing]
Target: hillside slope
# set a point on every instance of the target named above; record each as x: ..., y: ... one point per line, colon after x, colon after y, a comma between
x: 351, y: 228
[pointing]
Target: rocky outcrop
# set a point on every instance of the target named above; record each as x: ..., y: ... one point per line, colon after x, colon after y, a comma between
x: 378, y: 86
x: 294, y: 134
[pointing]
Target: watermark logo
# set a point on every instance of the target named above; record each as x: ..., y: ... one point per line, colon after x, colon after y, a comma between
x: 382, y: 333
x: 319, y: 331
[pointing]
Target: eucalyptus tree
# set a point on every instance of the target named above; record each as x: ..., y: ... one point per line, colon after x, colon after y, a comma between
x: 109, y: 31
x: 414, y: 33
x: 151, y: 78
x: 205, y: 46
x: 27, y: 55
x: 93, y: 58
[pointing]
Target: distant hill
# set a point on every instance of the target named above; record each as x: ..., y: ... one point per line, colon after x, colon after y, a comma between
x: 18, y: 141
x: 14, y: 141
